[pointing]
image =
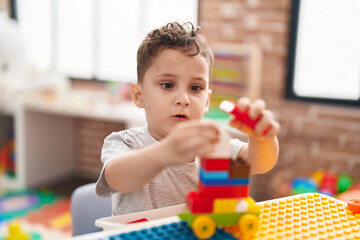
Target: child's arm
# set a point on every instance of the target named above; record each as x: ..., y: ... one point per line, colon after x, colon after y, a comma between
x: 262, y: 150
x: 186, y: 140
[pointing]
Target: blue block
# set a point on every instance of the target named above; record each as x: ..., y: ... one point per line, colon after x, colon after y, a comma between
x: 213, y: 175
x: 224, y: 182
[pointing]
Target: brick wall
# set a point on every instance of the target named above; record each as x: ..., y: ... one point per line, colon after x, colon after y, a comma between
x: 313, y: 136
x: 90, y: 136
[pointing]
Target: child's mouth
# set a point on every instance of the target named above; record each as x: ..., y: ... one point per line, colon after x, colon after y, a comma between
x: 180, y: 117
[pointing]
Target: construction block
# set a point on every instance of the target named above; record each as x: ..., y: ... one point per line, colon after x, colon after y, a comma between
x: 239, y: 169
x: 224, y: 182
x: 354, y: 205
x: 230, y: 191
x: 225, y: 205
x: 198, y: 204
x: 215, y: 164
x: 213, y: 175
x: 251, y: 204
x: 15, y: 232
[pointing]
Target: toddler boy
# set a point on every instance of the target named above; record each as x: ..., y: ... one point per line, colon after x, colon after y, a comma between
x: 154, y: 166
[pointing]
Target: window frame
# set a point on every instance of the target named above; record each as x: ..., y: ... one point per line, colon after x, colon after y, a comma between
x: 289, y: 88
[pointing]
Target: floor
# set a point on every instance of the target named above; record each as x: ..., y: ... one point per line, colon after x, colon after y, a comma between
x: 51, y: 220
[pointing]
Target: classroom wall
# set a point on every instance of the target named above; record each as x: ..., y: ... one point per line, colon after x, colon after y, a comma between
x: 313, y: 136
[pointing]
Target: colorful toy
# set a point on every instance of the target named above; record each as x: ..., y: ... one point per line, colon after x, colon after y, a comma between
x: 328, y: 184
x: 242, y: 116
x: 344, y: 182
x: 303, y: 185
x: 300, y: 217
x: 175, y: 231
x: 354, y: 205
x: 7, y: 157
x: 15, y: 232
x: 223, y: 197
x: 221, y: 200
x: 324, y: 182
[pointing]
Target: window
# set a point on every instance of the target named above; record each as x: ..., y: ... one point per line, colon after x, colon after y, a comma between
x: 324, y: 51
x: 94, y: 39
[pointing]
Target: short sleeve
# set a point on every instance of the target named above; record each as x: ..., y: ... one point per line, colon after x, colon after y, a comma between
x: 115, y: 145
x: 236, y: 146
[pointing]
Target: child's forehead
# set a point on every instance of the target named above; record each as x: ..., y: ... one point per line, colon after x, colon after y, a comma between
x: 176, y: 54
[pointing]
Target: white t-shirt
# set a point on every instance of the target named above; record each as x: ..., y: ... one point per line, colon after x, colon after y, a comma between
x: 168, y: 188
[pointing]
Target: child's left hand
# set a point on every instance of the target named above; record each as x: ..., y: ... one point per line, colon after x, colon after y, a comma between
x: 266, y: 126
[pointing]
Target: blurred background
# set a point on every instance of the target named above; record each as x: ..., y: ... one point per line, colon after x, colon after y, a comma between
x: 65, y: 69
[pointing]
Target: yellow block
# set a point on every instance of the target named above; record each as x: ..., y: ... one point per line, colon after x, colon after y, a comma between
x: 225, y: 205
x: 62, y: 220
x: 251, y: 203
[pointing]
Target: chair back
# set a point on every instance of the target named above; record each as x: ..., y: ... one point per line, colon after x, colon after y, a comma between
x: 86, y: 207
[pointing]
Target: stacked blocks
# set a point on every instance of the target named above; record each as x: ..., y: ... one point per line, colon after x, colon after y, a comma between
x: 219, y: 179
x: 223, y: 195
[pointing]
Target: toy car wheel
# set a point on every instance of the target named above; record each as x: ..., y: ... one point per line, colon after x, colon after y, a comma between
x: 203, y: 226
x: 248, y: 224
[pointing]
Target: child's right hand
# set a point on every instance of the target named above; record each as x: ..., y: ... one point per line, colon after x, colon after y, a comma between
x: 190, y: 139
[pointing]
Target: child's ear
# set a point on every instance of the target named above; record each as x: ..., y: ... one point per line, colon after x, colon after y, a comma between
x: 136, y: 93
x: 208, y: 100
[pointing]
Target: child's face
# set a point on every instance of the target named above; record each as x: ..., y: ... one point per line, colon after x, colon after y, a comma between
x: 174, y: 89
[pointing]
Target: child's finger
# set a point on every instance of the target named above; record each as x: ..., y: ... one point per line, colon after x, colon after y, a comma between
x: 264, y: 122
x: 256, y: 108
x: 243, y: 103
x: 204, y: 149
x: 274, y: 130
x: 192, y: 128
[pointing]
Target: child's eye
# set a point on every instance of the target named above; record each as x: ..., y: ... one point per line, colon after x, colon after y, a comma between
x: 167, y: 85
x: 195, y: 88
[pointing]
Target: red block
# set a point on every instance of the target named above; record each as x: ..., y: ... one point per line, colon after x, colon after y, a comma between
x: 215, y: 164
x: 233, y: 191
x: 139, y: 220
x: 197, y: 204
x: 328, y: 183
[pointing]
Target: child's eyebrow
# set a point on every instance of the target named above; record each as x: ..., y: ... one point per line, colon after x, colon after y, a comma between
x: 161, y: 75
x: 165, y: 75
x: 201, y: 79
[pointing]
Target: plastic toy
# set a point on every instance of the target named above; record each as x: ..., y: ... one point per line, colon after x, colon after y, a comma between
x: 7, y: 157
x: 175, y: 231
x: 324, y: 182
x: 15, y: 232
x: 328, y: 184
x: 344, y: 182
x: 300, y: 217
x: 222, y: 198
x: 317, y: 176
x: 242, y: 116
x: 307, y: 216
x: 221, y: 201
x: 303, y: 185
x: 354, y: 205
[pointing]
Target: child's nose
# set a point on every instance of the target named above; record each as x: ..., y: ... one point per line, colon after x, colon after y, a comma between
x: 183, y: 99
